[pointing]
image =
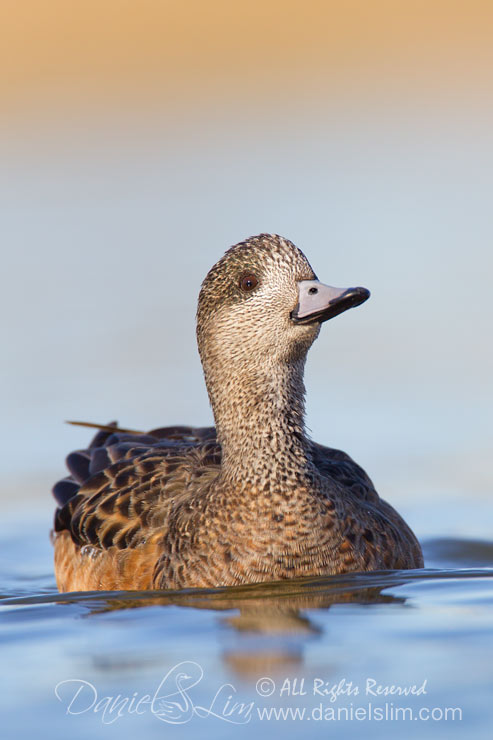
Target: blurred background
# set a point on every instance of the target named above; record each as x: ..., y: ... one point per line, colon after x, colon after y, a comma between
x: 140, y: 140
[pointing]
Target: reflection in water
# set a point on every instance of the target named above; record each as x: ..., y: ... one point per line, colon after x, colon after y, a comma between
x: 270, y: 620
x: 280, y: 621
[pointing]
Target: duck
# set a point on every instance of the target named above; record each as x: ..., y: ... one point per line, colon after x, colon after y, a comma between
x: 251, y: 499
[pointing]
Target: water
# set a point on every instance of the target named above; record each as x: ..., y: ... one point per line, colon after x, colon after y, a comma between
x: 111, y: 664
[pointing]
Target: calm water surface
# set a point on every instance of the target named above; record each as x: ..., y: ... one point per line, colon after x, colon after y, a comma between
x: 210, y: 662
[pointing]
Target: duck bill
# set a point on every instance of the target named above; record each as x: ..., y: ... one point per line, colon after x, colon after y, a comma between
x: 318, y: 302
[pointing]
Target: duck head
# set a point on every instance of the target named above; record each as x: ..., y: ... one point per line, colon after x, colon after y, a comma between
x: 262, y: 302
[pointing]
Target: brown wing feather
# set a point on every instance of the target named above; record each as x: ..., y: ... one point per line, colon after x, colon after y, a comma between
x: 383, y: 530
x: 121, y: 504
x: 339, y: 466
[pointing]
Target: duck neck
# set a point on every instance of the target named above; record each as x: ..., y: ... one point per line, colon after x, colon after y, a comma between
x: 260, y: 424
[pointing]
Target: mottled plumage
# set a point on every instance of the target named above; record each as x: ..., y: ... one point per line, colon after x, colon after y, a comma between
x: 252, y: 499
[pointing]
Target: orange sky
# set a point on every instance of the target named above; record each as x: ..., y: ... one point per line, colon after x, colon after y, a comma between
x: 73, y: 53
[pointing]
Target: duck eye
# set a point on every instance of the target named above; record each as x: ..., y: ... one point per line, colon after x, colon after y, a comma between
x: 248, y: 282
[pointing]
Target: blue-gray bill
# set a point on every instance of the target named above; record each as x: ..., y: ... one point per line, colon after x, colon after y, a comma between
x: 318, y: 302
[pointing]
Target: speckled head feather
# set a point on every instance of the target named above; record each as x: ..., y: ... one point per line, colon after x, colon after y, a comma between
x: 273, y: 259
x: 261, y: 315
